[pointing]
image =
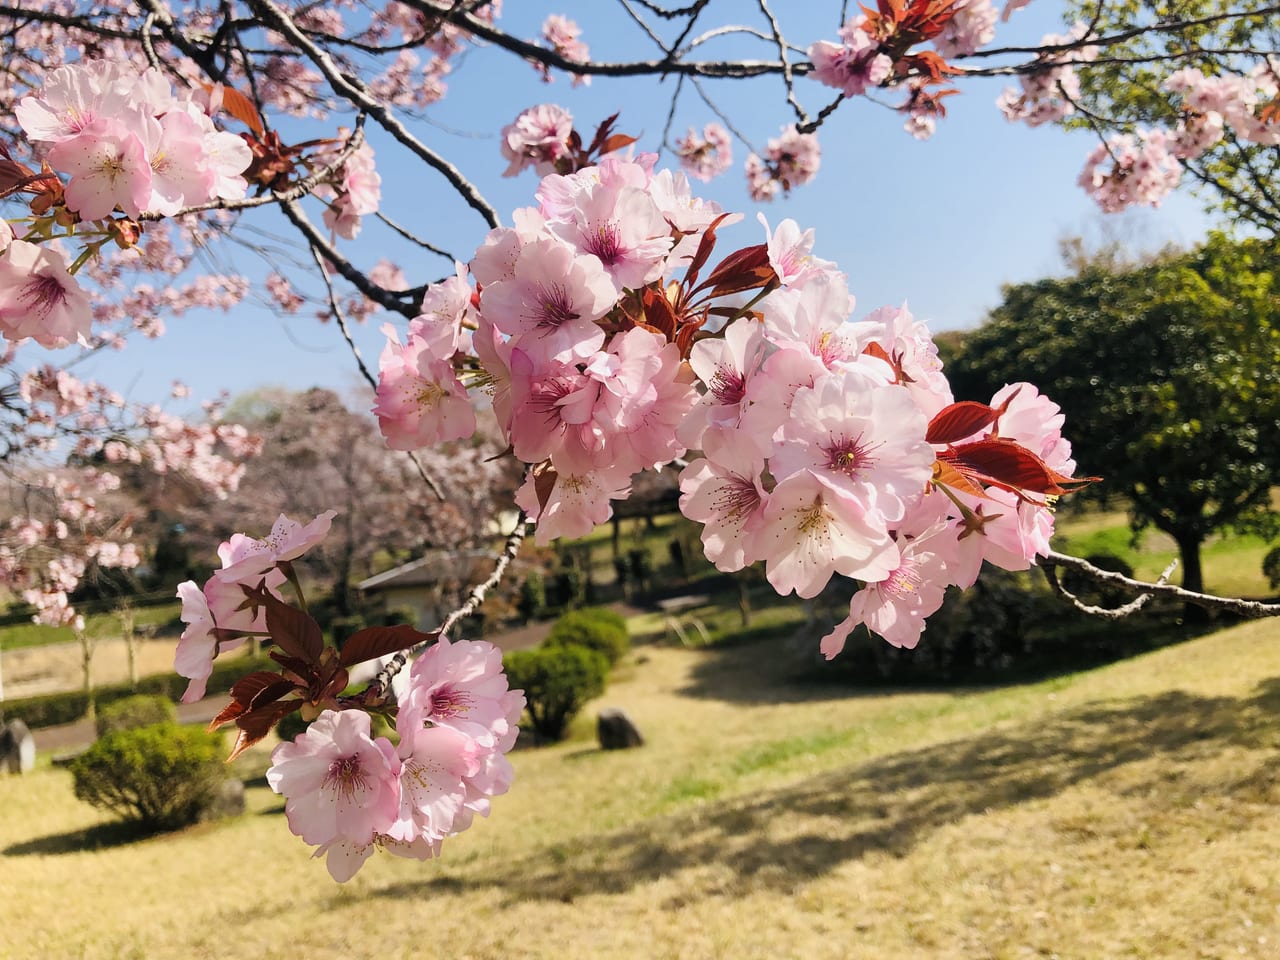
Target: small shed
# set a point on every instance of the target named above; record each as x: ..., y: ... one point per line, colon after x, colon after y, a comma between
x: 432, y: 585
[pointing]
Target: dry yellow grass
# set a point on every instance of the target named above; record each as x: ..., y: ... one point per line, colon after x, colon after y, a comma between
x: 1127, y: 812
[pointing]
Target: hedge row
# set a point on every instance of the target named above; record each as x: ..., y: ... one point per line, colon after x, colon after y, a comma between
x: 57, y: 708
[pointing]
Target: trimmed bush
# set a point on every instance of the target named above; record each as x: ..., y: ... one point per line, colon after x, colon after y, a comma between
x: 594, y: 628
x: 160, y: 777
x: 1271, y: 567
x: 141, y: 710
x: 557, y: 682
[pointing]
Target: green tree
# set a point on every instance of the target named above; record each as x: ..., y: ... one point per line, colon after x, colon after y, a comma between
x: 1170, y: 376
x: 1124, y: 90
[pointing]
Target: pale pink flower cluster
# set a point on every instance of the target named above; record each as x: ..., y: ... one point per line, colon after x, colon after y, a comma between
x: 972, y: 25
x: 562, y: 35
x: 537, y: 138
x: 39, y: 298
x: 221, y: 615
x: 349, y: 792
x: 1127, y: 170
x: 811, y: 428
x: 790, y: 160
x: 705, y: 155
x: 356, y: 193
x: 1212, y: 104
x: 853, y: 65
x: 1048, y: 94
x: 127, y: 142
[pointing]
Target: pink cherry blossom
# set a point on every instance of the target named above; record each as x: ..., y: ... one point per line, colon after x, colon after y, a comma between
x: 39, y: 298
x: 810, y: 532
x: 852, y: 66
x: 537, y: 138
x: 340, y: 784
x: 109, y: 168
x: 704, y: 156
x: 420, y: 400
x: 460, y: 685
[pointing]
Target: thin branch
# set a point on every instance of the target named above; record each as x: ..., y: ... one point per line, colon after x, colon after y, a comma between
x: 344, y: 266
x: 1243, y: 608
x: 383, y: 680
x: 787, y: 79
x: 302, y: 188
x: 414, y: 238
x: 352, y: 89
x: 1106, y: 613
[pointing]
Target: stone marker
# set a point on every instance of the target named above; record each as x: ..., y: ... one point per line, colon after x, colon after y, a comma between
x: 17, y: 748
x: 228, y: 801
x: 616, y: 731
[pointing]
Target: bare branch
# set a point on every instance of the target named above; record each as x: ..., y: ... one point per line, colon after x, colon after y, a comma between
x: 474, y: 599
x: 1243, y: 608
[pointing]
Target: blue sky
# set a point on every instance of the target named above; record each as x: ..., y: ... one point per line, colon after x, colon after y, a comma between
x: 941, y: 224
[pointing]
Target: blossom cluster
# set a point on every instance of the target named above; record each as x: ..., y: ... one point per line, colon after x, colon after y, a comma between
x: 348, y: 792
x: 126, y: 143
x: 816, y: 445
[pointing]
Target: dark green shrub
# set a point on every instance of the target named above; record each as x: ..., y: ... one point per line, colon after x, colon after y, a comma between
x: 398, y: 616
x: 1271, y: 567
x: 291, y: 726
x: 141, y: 710
x: 594, y: 628
x: 57, y: 708
x: 160, y: 777
x: 533, y: 596
x: 557, y: 682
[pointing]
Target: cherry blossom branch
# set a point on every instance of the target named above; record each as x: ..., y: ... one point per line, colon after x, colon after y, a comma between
x: 414, y: 238
x: 344, y: 266
x: 340, y: 316
x: 351, y: 89
x: 383, y: 680
x: 787, y: 79
x: 302, y: 188
x: 1243, y: 608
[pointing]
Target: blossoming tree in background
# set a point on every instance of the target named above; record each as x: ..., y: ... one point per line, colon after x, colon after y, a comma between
x: 620, y: 324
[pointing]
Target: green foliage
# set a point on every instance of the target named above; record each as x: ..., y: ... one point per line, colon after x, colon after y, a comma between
x: 1271, y: 567
x: 1169, y: 374
x: 595, y: 628
x: 557, y: 682
x: 141, y: 710
x: 291, y: 725
x: 533, y: 596
x: 58, y: 708
x: 398, y: 616
x: 1008, y: 625
x: 161, y: 777
x: 1125, y: 87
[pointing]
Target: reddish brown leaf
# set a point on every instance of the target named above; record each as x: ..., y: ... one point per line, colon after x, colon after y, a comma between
x: 602, y: 133
x: 745, y: 269
x: 1010, y: 465
x: 373, y: 642
x: 544, y: 481
x: 240, y: 107
x: 958, y: 421
x: 947, y: 475
x: 257, y: 724
x: 703, y: 253
x: 616, y: 142
x: 228, y: 713
x: 658, y: 313
x: 293, y: 631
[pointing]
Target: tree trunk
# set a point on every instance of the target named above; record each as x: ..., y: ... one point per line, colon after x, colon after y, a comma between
x: 86, y: 665
x: 1192, y: 574
x: 127, y: 625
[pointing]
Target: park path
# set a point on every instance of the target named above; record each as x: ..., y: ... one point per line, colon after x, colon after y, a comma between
x: 68, y: 737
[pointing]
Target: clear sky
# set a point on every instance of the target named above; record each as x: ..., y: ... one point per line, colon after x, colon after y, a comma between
x: 941, y: 224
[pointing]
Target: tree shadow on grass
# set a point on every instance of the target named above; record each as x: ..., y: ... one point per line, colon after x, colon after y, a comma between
x: 101, y: 836
x: 891, y: 804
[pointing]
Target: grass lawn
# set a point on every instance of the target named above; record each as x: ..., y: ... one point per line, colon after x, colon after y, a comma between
x: 1232, y: 564
x: 1123, y: 812
x: 101, y: 625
